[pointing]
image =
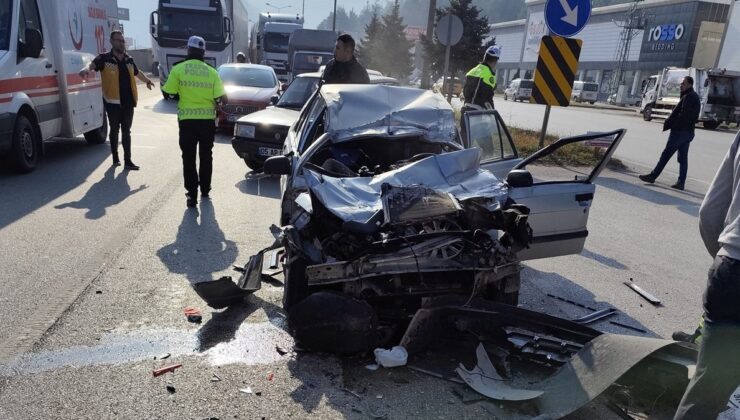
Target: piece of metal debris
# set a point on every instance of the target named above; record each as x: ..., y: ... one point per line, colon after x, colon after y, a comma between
x: 162, y: 356
x: 595, y: 316
x: 372, y: 366
x: 170, y: 388
x: 215, y: 378
x: 281, y: 350
x: 484, y: 379
x: 435, y: 374
x: 649, y: 297
x: 574, y: 303
x: 247, y: 390
x: 166, y: 369
x: 629, y: 327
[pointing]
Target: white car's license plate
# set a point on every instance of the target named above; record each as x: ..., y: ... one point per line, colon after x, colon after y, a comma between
x: 232, y: 118
x: 268, y: 151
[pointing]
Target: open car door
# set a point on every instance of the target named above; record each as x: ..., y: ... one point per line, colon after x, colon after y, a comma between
x: 487, y: 131
x: 556, y: 183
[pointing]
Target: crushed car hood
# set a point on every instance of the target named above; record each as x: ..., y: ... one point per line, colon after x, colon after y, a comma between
x: 379, y: 110
x: 458, y: 173
x: 272, y: 116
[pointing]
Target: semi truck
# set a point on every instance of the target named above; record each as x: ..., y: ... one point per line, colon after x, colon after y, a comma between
x: 718, y: 90
x: 308, y: 50
x: 222, y: 23
x: 269, y: 40
x: 43, y: 46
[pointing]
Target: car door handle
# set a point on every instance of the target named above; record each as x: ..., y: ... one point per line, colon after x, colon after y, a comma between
x: 48, y: 65
x: 584, y: 197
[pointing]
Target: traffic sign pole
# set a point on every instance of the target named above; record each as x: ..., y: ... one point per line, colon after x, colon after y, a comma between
x: 544, y: 126
x: 449, y: 32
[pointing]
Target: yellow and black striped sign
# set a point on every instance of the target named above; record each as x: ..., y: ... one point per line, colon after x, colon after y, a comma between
x: 556, y: 69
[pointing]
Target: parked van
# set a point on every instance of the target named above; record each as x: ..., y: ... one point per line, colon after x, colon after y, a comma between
x: 584, y: 92
x: 519, y: 90
x: 43, y: 46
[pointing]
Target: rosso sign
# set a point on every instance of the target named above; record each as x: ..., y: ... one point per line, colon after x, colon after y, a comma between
x: 666, y: 32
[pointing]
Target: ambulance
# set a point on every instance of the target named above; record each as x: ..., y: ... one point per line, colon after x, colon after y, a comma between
x: 43, y: 46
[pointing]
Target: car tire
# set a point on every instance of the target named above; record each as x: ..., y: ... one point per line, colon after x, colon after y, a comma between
x: 592, y: 102
x: 253, y: 164
x: 25, y: 146
x: 711, y: 125
x: 647, y: 113
x: 505, y: 291
x: 295, y: 288
x: 98, y: 135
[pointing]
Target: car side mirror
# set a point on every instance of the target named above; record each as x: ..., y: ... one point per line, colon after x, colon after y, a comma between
x: 274, y: 99
x: 33, y: 44
x: 519, y: 178
x: 277, y: 165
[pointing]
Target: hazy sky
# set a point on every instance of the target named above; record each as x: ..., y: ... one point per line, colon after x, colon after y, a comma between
x: 316, y: 11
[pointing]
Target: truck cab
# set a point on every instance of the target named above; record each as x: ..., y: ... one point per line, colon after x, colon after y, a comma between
x: 43, y: 46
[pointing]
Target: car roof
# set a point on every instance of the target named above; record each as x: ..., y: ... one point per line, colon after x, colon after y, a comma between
x: 387, y: 111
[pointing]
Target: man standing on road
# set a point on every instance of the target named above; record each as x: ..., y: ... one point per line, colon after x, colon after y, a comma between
x: 119, y: 94
x: 344, y: 67
x: 718, y: 367
x: 681, y: 122
x: 200, y: 90
x: 480, y: 84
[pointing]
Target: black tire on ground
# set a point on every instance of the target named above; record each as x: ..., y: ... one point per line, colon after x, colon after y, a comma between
x: 25, y: 146
x: 711, y: 125
x: 647, y: 114
x: 592, y: 102
x: 98, y: 135
x: 506, y: 291
x: 296, y: 285
x: 253, y: 164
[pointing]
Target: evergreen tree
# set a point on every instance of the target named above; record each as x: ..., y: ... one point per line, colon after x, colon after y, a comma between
x: 367, y: 50
x: 394, y: 51
x: 467, y: 53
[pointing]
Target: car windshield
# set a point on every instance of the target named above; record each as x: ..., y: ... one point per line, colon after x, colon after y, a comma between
x: 590, y: 87
x: 247, y: 76
x: 276, y: 42
x: 5, y: 25
x: 298, y: 92
x: 178, y: 24
x: 525, y: 84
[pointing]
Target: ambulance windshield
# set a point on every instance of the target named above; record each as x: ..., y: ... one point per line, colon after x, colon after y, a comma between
x: 5, y: 24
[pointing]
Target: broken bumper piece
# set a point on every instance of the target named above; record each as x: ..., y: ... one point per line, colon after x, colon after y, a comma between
x: 224, y: 292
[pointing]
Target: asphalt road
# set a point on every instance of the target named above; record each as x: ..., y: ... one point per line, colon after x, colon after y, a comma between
x: 642, y: 144
x: 98, y: 265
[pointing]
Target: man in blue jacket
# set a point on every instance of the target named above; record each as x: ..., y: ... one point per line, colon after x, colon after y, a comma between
x: 681, y: 122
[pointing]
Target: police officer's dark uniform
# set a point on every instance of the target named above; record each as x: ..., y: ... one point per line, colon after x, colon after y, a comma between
x: 480, y: 84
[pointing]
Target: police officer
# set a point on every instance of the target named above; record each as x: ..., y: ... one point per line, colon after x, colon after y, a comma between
x: 200, y: 90
x: 480, y: 81
x: 240, y: 57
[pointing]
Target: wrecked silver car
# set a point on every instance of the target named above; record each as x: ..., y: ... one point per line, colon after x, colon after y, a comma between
x: 384, y: 205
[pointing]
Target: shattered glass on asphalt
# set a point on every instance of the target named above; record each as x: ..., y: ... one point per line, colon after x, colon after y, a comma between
x: 457, y: 173
x: 379, y: 110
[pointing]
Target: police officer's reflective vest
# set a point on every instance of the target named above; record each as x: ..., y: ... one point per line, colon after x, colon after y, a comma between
x: 480, y: 83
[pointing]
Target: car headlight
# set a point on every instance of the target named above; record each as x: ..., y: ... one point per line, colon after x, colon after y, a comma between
x: 244, y: 130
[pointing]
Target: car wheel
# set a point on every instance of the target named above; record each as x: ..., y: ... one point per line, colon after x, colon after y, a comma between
x: 647, y: 113
x: 25, y: 146
x: 711, y: 125
x: 505, y: 291
x: 592, y: 102
x: 253, y: 164
x: 98, y: 135
x: 296, y: 285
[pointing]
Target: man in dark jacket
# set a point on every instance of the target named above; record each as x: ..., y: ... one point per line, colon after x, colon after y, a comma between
x: 681, y: 122
x: 344, y: 68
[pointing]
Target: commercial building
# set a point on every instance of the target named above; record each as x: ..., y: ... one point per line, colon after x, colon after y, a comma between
x: 680, y: 33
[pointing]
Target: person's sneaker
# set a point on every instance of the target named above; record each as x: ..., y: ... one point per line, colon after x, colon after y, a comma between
x: 684, y: 336
x: 647, y: 178
x: 192, y: 200
x: 116, y: 161
x: 677, y: 186
x: 131, y: 166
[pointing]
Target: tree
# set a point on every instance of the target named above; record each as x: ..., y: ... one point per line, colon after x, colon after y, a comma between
x: 394, y: 50
x: 367, y: 51
x: 467, y: 53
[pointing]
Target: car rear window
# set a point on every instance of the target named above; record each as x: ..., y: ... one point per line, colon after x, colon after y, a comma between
x: 247, y: 76
x: 526, y: 84
x: 591, y: 87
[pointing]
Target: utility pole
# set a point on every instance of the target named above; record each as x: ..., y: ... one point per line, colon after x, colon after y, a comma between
x: 430, y: 34
x: 634, y: 22
x: 334, y: 21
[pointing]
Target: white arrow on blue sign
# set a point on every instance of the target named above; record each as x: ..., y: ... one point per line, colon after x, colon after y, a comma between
x: 567, y: 17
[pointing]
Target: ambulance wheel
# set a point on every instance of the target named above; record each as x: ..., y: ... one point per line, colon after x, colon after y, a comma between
x: 25, y: 146
x: 98, y: 135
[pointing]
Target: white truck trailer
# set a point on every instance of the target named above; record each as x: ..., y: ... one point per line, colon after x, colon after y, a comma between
x: 43, y: 46
x: 222, y: 23
x: 269, y: 40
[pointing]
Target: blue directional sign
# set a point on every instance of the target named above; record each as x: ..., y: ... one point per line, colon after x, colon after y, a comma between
x: 567, y: 17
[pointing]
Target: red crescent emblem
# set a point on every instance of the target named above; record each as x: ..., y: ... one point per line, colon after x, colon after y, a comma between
x: 77, y: 44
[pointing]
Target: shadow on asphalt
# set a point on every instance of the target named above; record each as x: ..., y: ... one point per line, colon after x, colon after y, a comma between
x: 164, y: 107
x: 66, y: 165
x: 200, y: 248
x: 652, y: 194
x: 259, y: 184
x: 107, y: 192
x: 604, y: 260
x: 223, y: 326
